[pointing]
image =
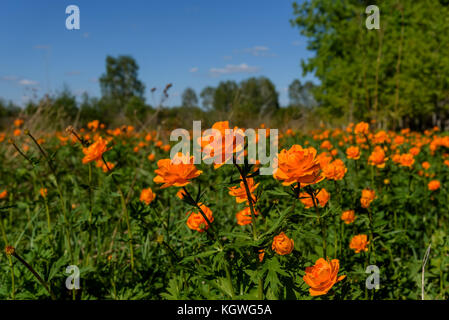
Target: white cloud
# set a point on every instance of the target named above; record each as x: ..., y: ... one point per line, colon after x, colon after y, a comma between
x: 10, y: 78
x: 258, y: 51
x: 27, y: 82
x: 231, y: 68
x: 194, y: 69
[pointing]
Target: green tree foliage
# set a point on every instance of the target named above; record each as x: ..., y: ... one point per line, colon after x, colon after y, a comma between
x: 258, y: 96
x: 207, y: 97
x: 225, y: 95
x: 189, y: 98
x: 120, y: 82
x: 397, y: 74
x: 301, y: 95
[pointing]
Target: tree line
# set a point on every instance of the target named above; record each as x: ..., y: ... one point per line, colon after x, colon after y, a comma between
x: 249, y: 102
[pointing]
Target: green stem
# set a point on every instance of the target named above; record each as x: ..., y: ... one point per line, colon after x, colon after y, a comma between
x: 38, y: 277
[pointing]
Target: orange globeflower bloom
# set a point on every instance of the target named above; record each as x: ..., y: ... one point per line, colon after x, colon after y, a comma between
x: 3, y: 194
x: 396, y: 158
x: 361, y: 128
x: 434, y: 185
x: 93, y: 125
x: 446, y: 162
x: 43, y: 192
x: 105, y: 166
x: 415, y: 151
x: 95, y: 151
x: 196, y: 220
x: 359, y: 243
x: 407, y: 160
x: 377, y: 157
x: 261, y: 254
x: 221, y: 145
x: 151, y: 156
x: 322, y: 276
x: 335, y: 170
x: 18, y: 122
x: 282, y: 244
x: 147, y: 195
x: 17, y: 132
x: 240, y: 192
x: 176, y: 173
x: 322, y: 198
x: 324, y: 159
x: 180, y: 194
x: 348, y: 216
x: 244, y: 217
x: 425, y: 165
x: 326, y: 144
x: 368, y: 196
x: 353, y: 153
x: 166, y: 147
x: 380, y: 137
x: 298, y: 165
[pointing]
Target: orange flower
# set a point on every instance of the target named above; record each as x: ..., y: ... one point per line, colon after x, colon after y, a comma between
x: 282, y: 244
x: 93, y: 125
x: 147, y: 195
x: 359, y: 243
x: 377, y: 157
x: 18, y: 122
x: 361, y: 128
x: 368, y: 196
x: 240, y: 192
x: 222, y: 143
x: 326, y: 144
x: 353, y: 153
x: 322, y: 198
x: 151, y: 156
x: 244, y: 217
x: 95, y: 151
x: 180, y: 194
x: 197, y: 222
x: 166, y: 147
x: 425, y: 165
x: 434, y: 185
x: 407, y: 160
x: 17, y: 132
x: 105, y: 166
x: 415, y: 151
x: 43, y: 192
x: 176, y: 173
x: 380, y: 137
x: 298, y: 165
x: 3, y: 194
x: 261, y: 254
x: 335, y: 170
x: 446, y: 162
x: 322, y: 276
x: 348, y: 216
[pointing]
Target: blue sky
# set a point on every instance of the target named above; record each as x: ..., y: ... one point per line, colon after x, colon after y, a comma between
x: 187, y: 43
